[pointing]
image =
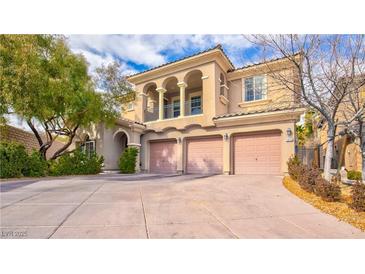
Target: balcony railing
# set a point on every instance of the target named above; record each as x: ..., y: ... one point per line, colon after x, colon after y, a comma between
x: 173, y: 111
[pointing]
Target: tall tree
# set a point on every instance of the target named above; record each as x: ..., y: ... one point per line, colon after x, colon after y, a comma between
x: 352, y: 116
x: 48, y: 86
x: 326, y: 67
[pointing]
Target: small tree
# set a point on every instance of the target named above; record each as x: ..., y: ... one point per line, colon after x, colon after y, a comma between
x: 128, y: 160
x: 324, y: 70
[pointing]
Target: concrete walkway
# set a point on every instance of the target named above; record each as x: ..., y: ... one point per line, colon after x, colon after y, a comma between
x: 156, y: 206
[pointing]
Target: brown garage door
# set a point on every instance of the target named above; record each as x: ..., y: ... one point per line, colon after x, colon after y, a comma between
x: 257, y: 153
x: 163, y: 157
x: 204, y: 155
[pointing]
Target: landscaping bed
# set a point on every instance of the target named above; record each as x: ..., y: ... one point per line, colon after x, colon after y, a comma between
x: 340, y: 209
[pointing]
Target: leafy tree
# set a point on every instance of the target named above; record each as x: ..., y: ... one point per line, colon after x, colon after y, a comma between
x: 117, y: 91
x: 48, y: 86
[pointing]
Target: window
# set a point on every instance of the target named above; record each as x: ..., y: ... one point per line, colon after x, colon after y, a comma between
x: 130, y: 106
x: 222, y: 84
x: 196, y: 105
x: 255, y: 88
x: 176, y: 108
x: 88, y: 146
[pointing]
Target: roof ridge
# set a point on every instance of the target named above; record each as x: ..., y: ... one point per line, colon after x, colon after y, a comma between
x: 262, y: 62
x: 217, y: 46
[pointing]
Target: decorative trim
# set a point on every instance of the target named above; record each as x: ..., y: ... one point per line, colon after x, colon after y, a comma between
x: 225, y: 86
x: 205, y: 77
x: 134, y: 144
x: 163, y: 90
x: 255, y: 103
x: 182, y: 84
x: 223, y: 99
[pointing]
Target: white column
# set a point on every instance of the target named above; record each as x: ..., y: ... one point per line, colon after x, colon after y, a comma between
x: 161, y: 92
x: 182, y: 87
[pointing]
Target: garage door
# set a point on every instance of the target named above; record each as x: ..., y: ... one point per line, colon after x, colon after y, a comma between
x: 204, y: 155
x: 257, y: 153
x: 163, y: 157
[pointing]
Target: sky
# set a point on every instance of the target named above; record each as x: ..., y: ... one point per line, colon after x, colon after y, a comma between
x: 140, y: 52
x: 137, y: 53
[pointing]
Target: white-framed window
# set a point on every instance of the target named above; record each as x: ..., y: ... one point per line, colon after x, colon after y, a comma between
x: 222, y: 85
x: 254, y: 88
x: 88, y: 146
x: 196, y: 105
x: 176, y: 108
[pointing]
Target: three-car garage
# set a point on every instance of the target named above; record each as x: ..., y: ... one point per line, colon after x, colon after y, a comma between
x: 250, y: 153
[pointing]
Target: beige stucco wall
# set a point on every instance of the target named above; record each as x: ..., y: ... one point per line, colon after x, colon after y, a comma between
x: 110, y: 141
x: 278, y: 96
x: 287, y: 148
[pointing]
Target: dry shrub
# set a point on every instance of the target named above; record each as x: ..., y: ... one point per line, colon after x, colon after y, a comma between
x: 294, y: 167
x: 328, y: 191
x: 358, y: 196
x: 307, y: 178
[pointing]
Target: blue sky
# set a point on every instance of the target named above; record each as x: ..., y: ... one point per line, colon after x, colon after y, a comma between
x: 140, y: 52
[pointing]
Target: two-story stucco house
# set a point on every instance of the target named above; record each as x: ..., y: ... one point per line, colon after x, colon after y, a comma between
x: 200, y: 114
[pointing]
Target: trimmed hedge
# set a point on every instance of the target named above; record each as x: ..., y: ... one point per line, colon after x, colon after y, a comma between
x: 13, y: 159
x: 76, y: 163
x: 128, y: 159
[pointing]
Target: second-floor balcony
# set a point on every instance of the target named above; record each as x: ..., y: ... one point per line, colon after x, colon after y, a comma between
x: 170, y: 111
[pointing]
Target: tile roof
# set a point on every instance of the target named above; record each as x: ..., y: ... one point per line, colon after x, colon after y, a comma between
x: 260, y: 63
x: 243, y: 113
x: 218, y: 46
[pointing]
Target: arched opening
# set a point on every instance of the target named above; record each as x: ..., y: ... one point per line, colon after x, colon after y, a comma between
x: 150, y: 102
x: 171, y: 100
x: 120, y: 144
x: 194, y: 93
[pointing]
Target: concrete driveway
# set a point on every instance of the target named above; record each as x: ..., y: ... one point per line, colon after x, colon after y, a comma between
x: 156, y: 206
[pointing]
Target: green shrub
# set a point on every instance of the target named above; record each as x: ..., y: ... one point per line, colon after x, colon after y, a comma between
x: 358, y: 197
x: 35, y: 166
x: 307, y: 178
x: 294, y: 167
x: 13, y: 158
x: 76, y: 163
x: 354, y: 175
x: 330, y: 192
x: 128, y: 159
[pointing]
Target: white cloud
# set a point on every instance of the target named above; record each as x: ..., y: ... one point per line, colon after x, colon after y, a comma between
x: 150, y: 50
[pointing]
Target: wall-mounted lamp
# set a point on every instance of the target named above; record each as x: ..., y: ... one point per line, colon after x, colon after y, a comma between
x: 225, y: 136
x: 179, y: 140
x: 289, y: 135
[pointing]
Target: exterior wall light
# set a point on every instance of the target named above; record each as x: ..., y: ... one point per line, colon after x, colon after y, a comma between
x: 289, y: 134
x: 179, y: 140
x: 225, y: 136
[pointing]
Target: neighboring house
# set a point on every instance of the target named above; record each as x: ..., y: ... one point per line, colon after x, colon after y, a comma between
x: 200, y: 114
x: 26, y: 138
x: 346, y: 152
